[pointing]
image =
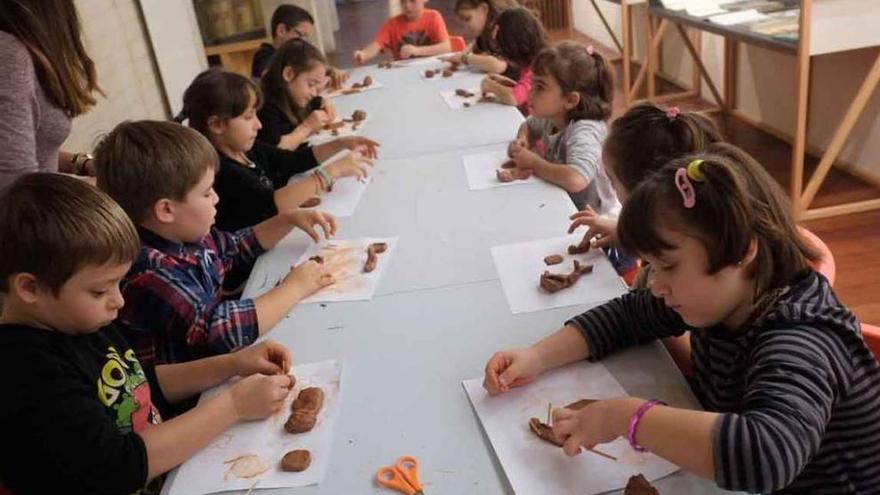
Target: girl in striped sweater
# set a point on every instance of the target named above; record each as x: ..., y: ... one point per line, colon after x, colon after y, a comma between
x: 788, y: 385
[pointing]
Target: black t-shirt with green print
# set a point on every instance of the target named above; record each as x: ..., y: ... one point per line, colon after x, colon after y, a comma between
x: 72, y: 408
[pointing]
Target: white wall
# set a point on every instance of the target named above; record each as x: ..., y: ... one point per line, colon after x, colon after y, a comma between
x: 115, y: 39
x: 766, y: 83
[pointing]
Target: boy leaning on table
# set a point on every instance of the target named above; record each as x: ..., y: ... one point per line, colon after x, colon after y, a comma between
x: 162, y: 175
x: 80, y: 414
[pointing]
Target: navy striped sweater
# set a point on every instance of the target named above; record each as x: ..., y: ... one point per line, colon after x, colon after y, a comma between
x: 797, y: 388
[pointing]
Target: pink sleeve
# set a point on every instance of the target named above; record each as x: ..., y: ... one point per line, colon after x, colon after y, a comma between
x: 437, y: 28
x: 521, y: 90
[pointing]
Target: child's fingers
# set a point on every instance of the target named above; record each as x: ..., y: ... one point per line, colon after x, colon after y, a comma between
x: 310, y: 230
x: 327, y: 224
x: 497, y: 364
x: 600, y: 242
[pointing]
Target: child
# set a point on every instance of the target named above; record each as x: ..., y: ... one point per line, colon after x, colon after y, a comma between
x: 561, y: 142
x: 252, y: 181
x: 416, y: 32
x: 788, y: 384
x: 80, y: 415
x: 293, y: 111
x: 519, y: 37
x: 478, y: 17
x: 161, y: 173
x: 290, y: 22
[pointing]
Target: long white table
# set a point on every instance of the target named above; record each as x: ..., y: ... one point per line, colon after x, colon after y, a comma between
x: 440, y: 310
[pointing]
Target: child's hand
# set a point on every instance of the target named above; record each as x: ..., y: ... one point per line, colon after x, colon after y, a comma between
x: 354, y: 164
x: 329, y: 108
x: 307, y: 220
x: 603, y: 230
x: 316, y: 120
x: 522, y: 156
x: 365, y: 146
x: 358, y: 57
x: 456, y: 58
x: 259, y: 396
x: 487, y: 85
x: 268, y: 358
x: 408, y: 51
x: 600, y: 422
x: 309, y: 277
x: 502, y: 80
x: 518, y: 142
x: 336, y: 77
x: 511, y: 368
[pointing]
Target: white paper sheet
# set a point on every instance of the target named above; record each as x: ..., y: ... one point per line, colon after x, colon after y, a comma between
x: 481, y: 170
x: 456, y: 102
x: 520, y: 267
x: 534, y: 466
x: 420, y: 61
x: 342, y: 92
x: 346, y: 194
x: 741, y: 17
x: 346, y: 130
x: 353, y: 284
x: 206, y: 472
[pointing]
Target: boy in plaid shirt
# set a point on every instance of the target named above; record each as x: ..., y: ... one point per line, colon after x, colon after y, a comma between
x: 162, y: 175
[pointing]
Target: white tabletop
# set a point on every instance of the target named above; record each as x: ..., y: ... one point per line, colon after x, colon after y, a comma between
x: 440, y: 311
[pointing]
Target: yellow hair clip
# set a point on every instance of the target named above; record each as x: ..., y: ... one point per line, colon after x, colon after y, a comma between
x: 694, y: 172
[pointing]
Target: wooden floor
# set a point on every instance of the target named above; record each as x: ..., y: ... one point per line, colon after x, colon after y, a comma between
x: 854, y: 240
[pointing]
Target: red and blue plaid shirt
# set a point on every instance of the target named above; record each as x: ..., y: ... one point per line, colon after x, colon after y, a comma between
x: 175, y: 310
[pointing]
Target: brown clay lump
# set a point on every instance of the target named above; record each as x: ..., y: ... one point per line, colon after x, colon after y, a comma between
x: 447, y: 72
x: 305, y: 410
x: 429, y: 73
x: 553, y: 259
x: 373, y: 252
x: 508, y: 164
x: 311, y: 202
x: 358, y: 116
x: 554, y: 282
x: 638, y: 485
x: 463, y: 93
x: 581, y: 248
x: 296, y: 461
x: 368, y: 81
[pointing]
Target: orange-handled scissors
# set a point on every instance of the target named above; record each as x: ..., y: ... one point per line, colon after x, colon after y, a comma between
x: 403, y: 476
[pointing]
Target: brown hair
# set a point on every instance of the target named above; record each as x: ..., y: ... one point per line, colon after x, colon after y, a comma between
x: 576, y: 69
x: 647, y: 136
x: 301, y: 56
x: 494, y: 8
x: 50, y: 30
x: 53, y: 225
x: 139, y: 163
x: 736, y: 203
x: 217, y: 93
x: 520, y: 36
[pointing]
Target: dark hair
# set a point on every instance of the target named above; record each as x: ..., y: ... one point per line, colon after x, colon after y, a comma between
x: 520, y: 36
x: 301, y: 56
x: 290, y: 16
x: 53, y: 225
x: 217, y: 93
x: 51, y: 33
x: 736, y: 203
x: 576, y: 69
x: 141, y: 162
x: 646, y: 137
x: 494, y: 8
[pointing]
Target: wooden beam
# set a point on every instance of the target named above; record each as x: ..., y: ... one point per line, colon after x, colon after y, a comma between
x: 653, y: 46
x: 731, y: 69
x: 842, y: 133
x: 626, y: 21
x: 844, y: 209
x: 607, y: 26
x: 801, y: 109
x: 699, y: 61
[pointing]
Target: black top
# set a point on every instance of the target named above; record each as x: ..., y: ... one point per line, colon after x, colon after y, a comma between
x: 247, y: 193
x: 261, y: 60
x: 72, y: 407
x: 275, y: 124
x: 485, y: 46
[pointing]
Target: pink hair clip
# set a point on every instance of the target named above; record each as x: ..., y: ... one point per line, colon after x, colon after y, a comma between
x: 590, y: 50
x: 673, y: 112
x: 688, y: 195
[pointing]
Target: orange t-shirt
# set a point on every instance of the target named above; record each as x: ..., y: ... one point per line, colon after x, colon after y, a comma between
x: 428, y: 29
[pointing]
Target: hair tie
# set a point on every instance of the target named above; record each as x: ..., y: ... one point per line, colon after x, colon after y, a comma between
x: 683, y: 177
x: 590, y: 50
x: 694, y: 171
x: 673, y: 112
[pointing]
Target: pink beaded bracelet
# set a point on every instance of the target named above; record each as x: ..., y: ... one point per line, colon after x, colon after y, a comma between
x: 634, y: 421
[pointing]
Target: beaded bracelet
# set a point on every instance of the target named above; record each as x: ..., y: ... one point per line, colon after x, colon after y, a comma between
x: 328, y: 179
x: 634, y: 421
